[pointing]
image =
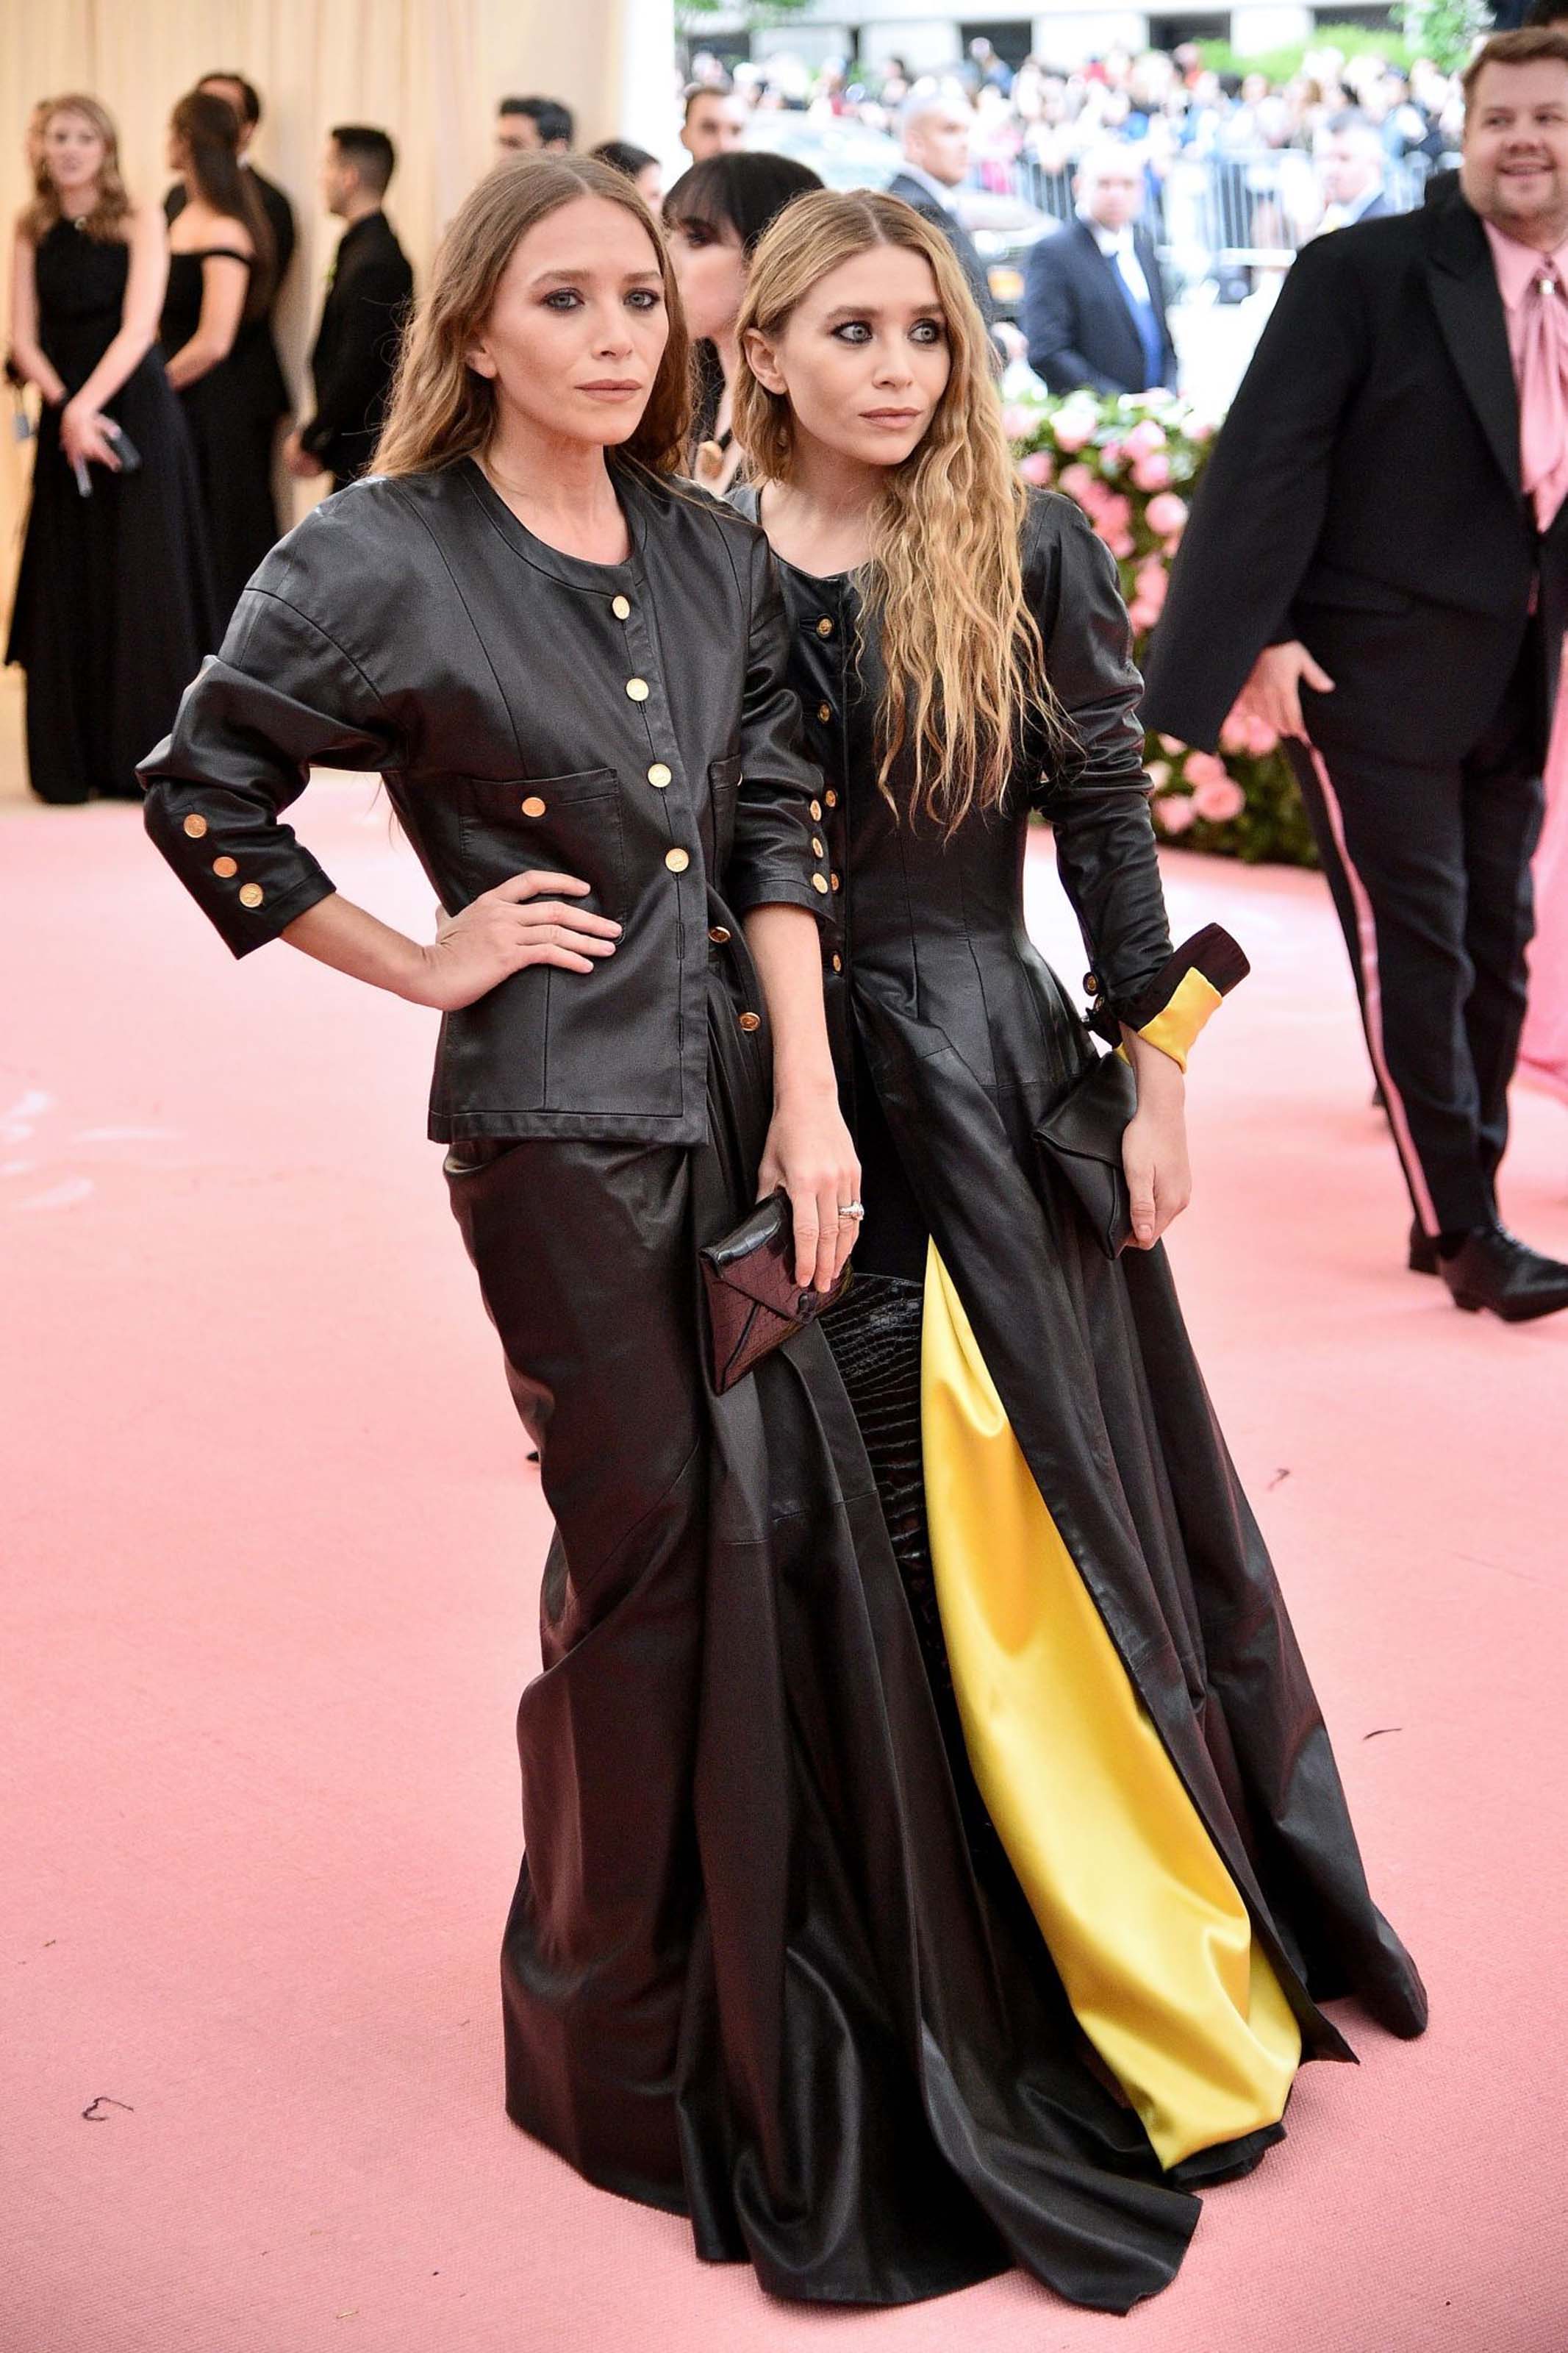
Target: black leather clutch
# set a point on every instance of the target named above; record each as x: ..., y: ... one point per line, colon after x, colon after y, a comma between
x: 753, y: 1300
x: 1080, y: 1140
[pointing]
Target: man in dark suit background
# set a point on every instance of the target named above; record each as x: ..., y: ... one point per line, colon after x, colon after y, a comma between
x: 935, y: 129
x: 1094, y: 302
x: 533, y: 126
x: 1351, y: 162
x: 1377, y: 561
x: 253, y: 360
x: 369, y: 288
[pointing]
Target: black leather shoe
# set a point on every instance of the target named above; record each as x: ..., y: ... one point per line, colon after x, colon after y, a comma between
x: 1492, y: 1268
x: 1423, y: 1258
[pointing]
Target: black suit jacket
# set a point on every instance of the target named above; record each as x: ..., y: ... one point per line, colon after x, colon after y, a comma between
x: 254, y: 362
x: 355, y: 349
x: 1364, y: 497
x: 921, y: 200
x: 1079, y: 329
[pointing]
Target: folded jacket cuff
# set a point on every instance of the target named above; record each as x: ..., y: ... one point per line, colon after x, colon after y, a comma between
x: 1170, y: 1010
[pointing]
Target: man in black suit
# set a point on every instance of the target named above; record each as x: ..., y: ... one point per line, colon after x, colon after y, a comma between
x: 369, y: 288
x: 533, y: 126
x: 1377, y: 562
x: 1351, y: 162
x: 253, y: 359
x: 1094, y: 303
x: 935, y: 131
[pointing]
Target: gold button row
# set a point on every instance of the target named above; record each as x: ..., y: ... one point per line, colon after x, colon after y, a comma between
x: 750, y: 1021
x: 224, y: 867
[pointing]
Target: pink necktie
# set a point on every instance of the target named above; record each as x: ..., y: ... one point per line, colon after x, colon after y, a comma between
x: 1543, y: 393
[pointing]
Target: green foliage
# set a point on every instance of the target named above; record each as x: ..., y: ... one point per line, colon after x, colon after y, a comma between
x: 1132, y: 464
x: 1282, y: 65
x: 1444, y: 30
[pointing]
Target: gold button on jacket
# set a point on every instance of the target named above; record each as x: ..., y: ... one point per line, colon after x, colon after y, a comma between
x: 719, y: 936
x: 251, y: 895
x: 620, y: 608
x: 225, y: 867
x: 819, y: 882
x: 533, y: 806
x: 195, y: 827
x: 750, y: 1021
x: 637, y: 688
x: 677, y: 860
x: 825, y: 628
x: 658, y: 776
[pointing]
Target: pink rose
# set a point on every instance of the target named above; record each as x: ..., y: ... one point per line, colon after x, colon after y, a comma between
x: 1218, y: 800
x: 1117, y: 511
x: 1120, y: 542
x: 1152, y: 580
x: 1036, y: 467
x: 1203, y: 768
x: 1018, y: 422
x: 1152, y: 473
x: 1159, y: 773
x: 1174, y: 745
x: 1111, y: 459
x: 1167, y: 514
x: 1145, y: 438
x: 1173, y: 812
x: 1073, y: 432
x: 1142, y: 615
x: 1078, y: 483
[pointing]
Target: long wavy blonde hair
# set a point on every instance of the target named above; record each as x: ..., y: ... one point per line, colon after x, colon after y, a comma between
x: 111, y: 207
x: 963, y: 660
x: 440, y: 410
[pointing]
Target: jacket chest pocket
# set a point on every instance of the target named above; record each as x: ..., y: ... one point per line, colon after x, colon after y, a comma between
x: 723, y: 792
x: 552, y: 825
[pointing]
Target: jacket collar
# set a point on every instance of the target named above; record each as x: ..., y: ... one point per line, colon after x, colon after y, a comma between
x: 572, y: 571
x: 1464, y: 289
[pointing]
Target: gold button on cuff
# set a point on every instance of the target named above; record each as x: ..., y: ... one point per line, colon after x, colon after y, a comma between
x: 750, y: 1021
x: 833, y: 800
x: 817, y: 812
x: 251, y: 895
x: 225, y: 867
x: 658, y: 776
x: 719, y: 936
x: 825, y: 711
x: 1091, y: 985
x: 819, y: 882
x: 533, y: 806
x: 816, y: 851
x: 837, y: 963
x: 677, y: 860
x: 825, y: 628
x: 620, y: 607
x: 637, y: 688
x: 195, y: 827
x: 834, y: 881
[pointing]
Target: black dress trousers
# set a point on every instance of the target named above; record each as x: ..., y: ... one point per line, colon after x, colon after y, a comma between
x: 1428, y: 864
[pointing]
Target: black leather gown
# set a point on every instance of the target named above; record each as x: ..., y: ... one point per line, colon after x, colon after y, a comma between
x: 952, y: 1038
x: 751, y: 1973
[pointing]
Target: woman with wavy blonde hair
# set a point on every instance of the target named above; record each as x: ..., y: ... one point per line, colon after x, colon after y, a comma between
x: 113, y: 608
x: 1129, y: 1720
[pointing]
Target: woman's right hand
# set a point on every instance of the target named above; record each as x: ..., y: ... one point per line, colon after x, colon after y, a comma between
x: 528, y: 919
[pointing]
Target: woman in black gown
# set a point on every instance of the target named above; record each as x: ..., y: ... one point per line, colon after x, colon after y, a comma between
x: 220, y: 277
x: 113, y: 611
x: 1142, y: 1756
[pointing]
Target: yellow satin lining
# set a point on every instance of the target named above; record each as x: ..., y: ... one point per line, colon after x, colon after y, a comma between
x: 1174, y: 1029
x: 1148, y: 1932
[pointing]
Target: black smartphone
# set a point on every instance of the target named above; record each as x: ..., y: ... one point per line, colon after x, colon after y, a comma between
x: 124, y: 447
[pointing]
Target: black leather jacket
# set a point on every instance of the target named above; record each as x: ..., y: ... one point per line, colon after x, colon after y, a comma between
x: 628, y: 723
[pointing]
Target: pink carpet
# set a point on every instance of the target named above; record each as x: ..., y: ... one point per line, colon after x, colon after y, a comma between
x: 272, y: 1552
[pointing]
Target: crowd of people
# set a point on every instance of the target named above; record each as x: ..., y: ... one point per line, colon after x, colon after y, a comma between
x: 936, y: 1857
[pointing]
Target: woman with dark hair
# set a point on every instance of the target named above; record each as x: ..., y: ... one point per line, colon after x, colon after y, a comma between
x: 112, y: 611
x: 714, y: 215
x: 220, y: 277
x: 1145, y: 1765
x: 645, y: 172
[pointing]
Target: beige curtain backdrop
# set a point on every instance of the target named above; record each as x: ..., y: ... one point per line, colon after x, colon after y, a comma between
x: 428, y: 71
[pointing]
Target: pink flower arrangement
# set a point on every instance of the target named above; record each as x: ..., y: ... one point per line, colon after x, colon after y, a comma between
x: 1145, y: 438
x: 1038, y: 468
x: 1078, y: 482
x: 1173, y: 812
x: 1167, y: 514
x: 1218, y: 799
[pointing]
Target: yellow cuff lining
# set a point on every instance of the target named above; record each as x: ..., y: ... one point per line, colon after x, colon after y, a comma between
x: 1176, y: 1027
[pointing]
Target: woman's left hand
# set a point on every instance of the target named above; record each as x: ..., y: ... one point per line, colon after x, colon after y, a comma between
x: 82, y: 437
x: 810, y: 1154
x: 1154, y: 1147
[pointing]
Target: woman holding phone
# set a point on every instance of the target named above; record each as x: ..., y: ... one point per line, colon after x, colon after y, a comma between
x: 113, y: 608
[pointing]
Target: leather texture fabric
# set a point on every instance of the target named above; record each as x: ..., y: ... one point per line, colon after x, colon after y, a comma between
x: 754, y: 1302
x: 627, y: 723
x: 1081, y: 1137
x: 947, y: 1014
